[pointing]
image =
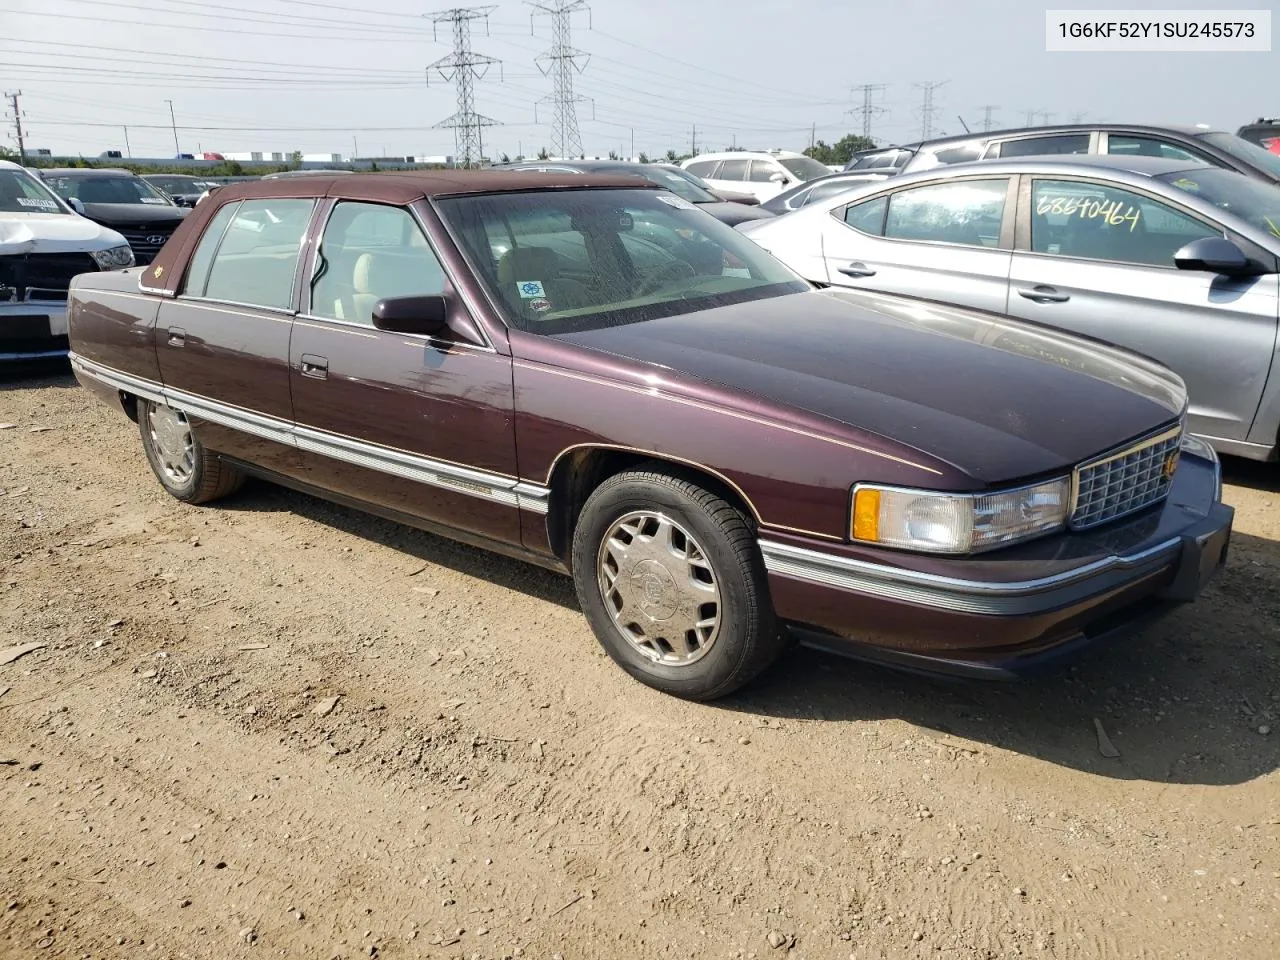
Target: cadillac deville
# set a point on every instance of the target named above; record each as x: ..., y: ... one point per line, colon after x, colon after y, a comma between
x: 591, y: 374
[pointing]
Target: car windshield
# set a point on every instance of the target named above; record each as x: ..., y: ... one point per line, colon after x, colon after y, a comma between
x: 677, y: 184
x: 22, y: 193
x: 574, y: 260
x: 804, y: 168
x: 1248, y: 199
x: 1242, y: 149
x: 110, y: 189
x: 173, y: 185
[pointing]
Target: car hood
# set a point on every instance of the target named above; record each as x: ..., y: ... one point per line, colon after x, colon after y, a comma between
x: 999, y: 399
x: 53, y: 233
x: 734, y: 213
x: 133, y: 213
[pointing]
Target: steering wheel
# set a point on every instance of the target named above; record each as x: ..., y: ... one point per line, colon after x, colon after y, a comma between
x: 669, y: 272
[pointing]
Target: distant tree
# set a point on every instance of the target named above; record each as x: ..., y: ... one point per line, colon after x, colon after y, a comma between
x: 373, y: 166
x: 672, y: 156
x: 644, y: 157
x: 505, y: 158
x: 613, y: 154
x: 295, y: 160
x: 543, y: 154
x: 841, y: 151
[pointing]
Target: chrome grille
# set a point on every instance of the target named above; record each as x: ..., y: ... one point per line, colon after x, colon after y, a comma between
x: 1118, y: 484
x: 146, y: 240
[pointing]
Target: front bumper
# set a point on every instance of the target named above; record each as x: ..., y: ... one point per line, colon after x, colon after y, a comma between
x: 33, y: 330
x: 1006, y: 613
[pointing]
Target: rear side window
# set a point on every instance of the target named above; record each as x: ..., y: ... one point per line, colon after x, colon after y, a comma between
x: 1126, y: 146
x: 868, y: 216
x: 257, y: 260
x: 732, y: 170
x: 1041, y: 146
x: 965, y: 211
x: 702, y: 168
x: 202, y: 259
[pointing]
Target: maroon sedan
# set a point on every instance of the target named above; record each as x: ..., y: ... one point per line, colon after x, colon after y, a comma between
x: 598, y: 377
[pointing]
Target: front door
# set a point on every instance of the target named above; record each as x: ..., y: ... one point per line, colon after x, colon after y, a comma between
x: 939, y: 241
x: 223, y: 341
x: 1100, y: 262
x: 417, y: 425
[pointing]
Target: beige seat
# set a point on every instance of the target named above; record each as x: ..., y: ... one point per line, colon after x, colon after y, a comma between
x: 377, y: 276
x: 540, y: 265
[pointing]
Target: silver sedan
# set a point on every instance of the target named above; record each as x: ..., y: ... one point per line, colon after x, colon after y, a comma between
x: 1174, y: 261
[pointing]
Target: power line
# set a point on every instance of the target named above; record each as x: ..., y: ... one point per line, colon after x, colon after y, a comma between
x: 868, y: 109
x: 462, y: 68
x: 559, y: 63
x: 927, y: 109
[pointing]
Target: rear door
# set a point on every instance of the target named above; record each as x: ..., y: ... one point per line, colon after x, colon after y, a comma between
x: 418, y: 425
x: 223, y: 341
x: 947, y: 241
x: 1098, y: 259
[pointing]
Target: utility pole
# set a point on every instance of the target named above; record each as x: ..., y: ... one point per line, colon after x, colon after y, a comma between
x: 813, y: 134
x: 177, y: 151
x: 128, y: 151
x: 987, y: 113
x: 13, y: 99
x: 462, y: 68
x: 633, y: 143
x: 355, y: 147
x: 1046, y: 116
x: 1078, y: 117
x: 1031, y: 118
x: 927, y: 108
x: 560, y: 63
x: 693, y: 147
x: 868, y: 108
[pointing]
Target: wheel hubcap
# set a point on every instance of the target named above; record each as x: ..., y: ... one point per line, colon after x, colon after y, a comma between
x: 171, y: 439
x: 660, y: 588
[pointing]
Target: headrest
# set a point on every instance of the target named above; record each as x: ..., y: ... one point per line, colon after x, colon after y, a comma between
x: 528, y: 263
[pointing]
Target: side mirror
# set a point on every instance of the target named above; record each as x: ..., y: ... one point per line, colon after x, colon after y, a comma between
x: 1214, y: 254
x: 75, y: 204
x: 778, y: 178
x: 425, y: 315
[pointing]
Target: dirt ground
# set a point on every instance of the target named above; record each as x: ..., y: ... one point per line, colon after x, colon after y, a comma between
x: 178, y: 782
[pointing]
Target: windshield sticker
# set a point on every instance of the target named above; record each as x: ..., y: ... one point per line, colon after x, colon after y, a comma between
x: 672, y: 200
x: 530, y: 289
x: 540, y: 305
x: 625, y: 222
x: 1114, y: 212
x: 160, y: 200
x: 37, y: 203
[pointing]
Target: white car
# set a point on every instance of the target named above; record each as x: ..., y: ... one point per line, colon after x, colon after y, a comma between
x: 763, y: 175
x: 43, y: 244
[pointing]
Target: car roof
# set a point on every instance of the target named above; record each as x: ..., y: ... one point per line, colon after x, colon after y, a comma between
x: 10, y: 165
x: 1142, y: 166
x: 1186, y: 130
x: 87, y: 171
x: 407, y: 186
x: 746, y: 155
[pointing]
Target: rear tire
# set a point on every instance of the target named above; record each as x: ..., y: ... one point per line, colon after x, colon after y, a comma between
x: 181, y: 463
x: 670, y: 578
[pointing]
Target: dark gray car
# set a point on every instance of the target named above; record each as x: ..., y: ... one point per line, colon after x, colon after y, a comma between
x: 1178, y: 262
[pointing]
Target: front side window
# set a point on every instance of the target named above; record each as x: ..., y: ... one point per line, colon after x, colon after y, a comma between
x: 804, y: 168
x: 733, y: 170
x: 257, y: 255
x: 1075, y: 219
x: 22, y: 193
x: 1252, y: 200
x: 965, y: 211
x: 369, y: 252
x: 761, y: 171
x: 1242, y: 149
x: 1127, y: 146
x: 584, y: 259
x: 1041, y: 146
x: 109, y: 189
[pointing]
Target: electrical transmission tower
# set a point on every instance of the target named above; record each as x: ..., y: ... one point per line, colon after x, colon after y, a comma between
x: 868, y: 108
x: 462, y: 68
x: 987, y: 112
x: 927, y: 108
x: 13, y: 98
x: 560, y: 63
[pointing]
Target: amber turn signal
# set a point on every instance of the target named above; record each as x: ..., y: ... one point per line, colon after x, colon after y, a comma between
x: 866, y: 515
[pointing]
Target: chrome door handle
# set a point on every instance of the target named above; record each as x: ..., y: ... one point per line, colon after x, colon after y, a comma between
x: 857, y: 269
x: 177, y: 336
x: 1043, y: 293
x: 315, y: 367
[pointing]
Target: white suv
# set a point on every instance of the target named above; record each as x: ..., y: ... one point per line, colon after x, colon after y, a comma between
x: 763, y: 175
x: 43, y: 244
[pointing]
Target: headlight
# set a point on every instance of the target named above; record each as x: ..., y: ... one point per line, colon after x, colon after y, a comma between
x: 958, y: 522
x: 113, y: 258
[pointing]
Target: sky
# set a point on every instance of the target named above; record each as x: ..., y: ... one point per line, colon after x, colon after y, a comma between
x: 322, y: 77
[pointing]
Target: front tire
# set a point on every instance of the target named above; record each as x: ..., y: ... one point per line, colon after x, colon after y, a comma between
x: 670, y: 578
x: 186, y: 470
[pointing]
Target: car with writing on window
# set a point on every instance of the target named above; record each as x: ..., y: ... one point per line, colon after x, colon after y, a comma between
x: 122, y: 201
x: 763, y: 174
x: 720, y: 458
x: 43, y: 245
x: 1177, y: 261
x: 1188, y: 144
